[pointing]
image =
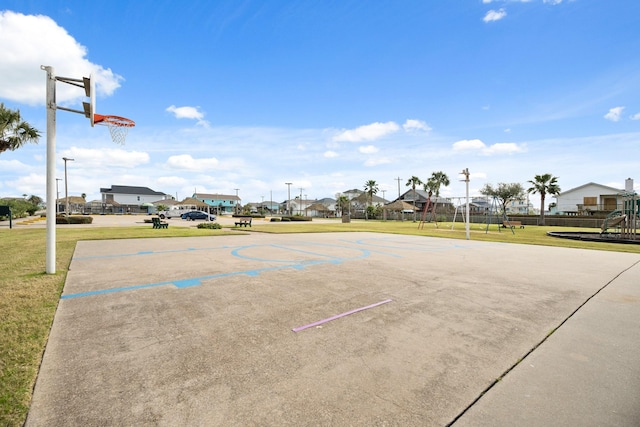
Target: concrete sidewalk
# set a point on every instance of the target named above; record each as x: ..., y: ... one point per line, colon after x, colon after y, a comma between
x: 200, y: 331
x: 587, y: 373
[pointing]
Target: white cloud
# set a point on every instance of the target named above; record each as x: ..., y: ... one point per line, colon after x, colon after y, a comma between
x: 368, y: 149
x: 12, y: 165
x: 29, y: 41
x: 499, y: 148
x: 554, y: 2
x: 185, y: 161
x: 187, y: 112
x: 415, y: 125
x: 330, y: 154
x: 504, y: 148
x: 370, y: 132
x: 468, y: 144
x: 635, y: 116
x: 377, y: 161
x: 494, y: 15
x: 614, y: 114
x: 96, y: 158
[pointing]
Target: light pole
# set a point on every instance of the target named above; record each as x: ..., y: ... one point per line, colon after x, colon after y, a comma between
x: 300, y: 207
x: 237, y: 199
x: 288, y: 184
x: 465, y: 172
x: 66, y: 187
x: 57, y: 194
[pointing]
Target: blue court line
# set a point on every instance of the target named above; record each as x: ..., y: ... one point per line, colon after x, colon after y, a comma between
x: 334, y: 259
x: 149, y: 253
x: 197, y: 281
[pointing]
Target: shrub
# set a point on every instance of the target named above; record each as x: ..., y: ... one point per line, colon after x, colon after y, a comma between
x: 275, y: 219
x: 210, y: 225
x: 74, y: 220
x: 296, y: 218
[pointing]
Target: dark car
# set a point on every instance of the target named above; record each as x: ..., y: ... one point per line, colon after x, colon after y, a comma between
x: 193, y: 215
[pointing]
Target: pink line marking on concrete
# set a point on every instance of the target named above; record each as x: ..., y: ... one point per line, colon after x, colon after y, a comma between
x: 337, y: 316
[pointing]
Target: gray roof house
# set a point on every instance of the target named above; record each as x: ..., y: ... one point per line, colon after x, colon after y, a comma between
x: 130, y: 195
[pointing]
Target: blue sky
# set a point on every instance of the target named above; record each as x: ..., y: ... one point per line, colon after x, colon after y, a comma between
x: 327, y: 95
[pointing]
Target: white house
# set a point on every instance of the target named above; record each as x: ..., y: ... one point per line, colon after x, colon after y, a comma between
x: 132, y: 196
x: 587, y: 198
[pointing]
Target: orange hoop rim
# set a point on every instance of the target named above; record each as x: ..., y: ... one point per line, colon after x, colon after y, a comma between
x: 99, y: 119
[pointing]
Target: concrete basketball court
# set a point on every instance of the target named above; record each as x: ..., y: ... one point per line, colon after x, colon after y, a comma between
x: 200, y: 331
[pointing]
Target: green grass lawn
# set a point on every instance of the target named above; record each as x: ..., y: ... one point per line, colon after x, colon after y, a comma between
x: 29, y: 297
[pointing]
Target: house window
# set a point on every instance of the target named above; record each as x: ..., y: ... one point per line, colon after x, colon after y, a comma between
x: 138, y: 198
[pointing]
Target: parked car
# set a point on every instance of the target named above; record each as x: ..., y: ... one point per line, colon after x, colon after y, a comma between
x: 193, y: 215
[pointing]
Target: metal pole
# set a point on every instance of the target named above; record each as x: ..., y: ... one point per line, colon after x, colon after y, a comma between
x: 237, y: 189
x: 51, y: 170
x: 57, y: 194
x: 66, y: 187
x: 288, y: 184
x: 466, y: 180
x: 300, y: 205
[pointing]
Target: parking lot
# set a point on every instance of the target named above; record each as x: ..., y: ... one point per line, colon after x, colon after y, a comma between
x: 341, y: 329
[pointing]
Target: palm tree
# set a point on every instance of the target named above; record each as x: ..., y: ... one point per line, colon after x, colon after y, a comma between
x: 342, y: 203
x: 14, y: 132
x: 543, y: 185
x: 371, y: 188
x: 437, y: 180
x: 434, y: 183
x: 413, y: 182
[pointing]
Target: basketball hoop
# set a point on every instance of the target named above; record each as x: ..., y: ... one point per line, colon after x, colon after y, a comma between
x: 118, y: 126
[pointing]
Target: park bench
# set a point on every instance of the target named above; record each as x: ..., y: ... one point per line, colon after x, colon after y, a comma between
x: 512, y: 224
x: 243, y: 222
x: 157, y: 223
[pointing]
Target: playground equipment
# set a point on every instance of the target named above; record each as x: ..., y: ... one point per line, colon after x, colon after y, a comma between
x: 624, y: 221
x: 499, y: 221
x: 429, y: 208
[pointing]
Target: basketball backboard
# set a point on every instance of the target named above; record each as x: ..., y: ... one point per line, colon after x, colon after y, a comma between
x: 90, y: 92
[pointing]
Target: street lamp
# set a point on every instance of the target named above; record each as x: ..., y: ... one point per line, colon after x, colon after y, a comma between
x: 237, y: 189
x: 57, y: 194
x: 288, y: 184
x: 66, y: 187
x: 300, y: 207
x: 465, y: 172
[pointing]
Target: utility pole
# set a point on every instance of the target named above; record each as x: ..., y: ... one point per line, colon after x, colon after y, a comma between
x: 237, y: 189
x: 66, y: 186
x: 398, y: 179
x: 384, y: 191
x: 288, y: 184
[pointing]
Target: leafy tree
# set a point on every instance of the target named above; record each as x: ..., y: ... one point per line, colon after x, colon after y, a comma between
x: 14, y: 132
x: 19, y: 208
x: 371, y: 188
x: 544, y: 184
x: 35, y: 200
x: 413, y: 182
x: 504, y: 193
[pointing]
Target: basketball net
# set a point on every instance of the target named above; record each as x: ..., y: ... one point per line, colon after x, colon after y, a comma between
x: 118, y: 126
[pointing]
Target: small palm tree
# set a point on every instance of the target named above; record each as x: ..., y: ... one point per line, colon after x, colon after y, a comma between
x: 544, y: 184
x: 413, y: 182
x: 14, y: 132
x: 371, y: 188
x: 342, y: 203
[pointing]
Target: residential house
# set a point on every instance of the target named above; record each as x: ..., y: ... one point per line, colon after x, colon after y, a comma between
x: 220, y: 203
x: 588, y: 198
x: 443, y: 205
x: 128, y: 199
